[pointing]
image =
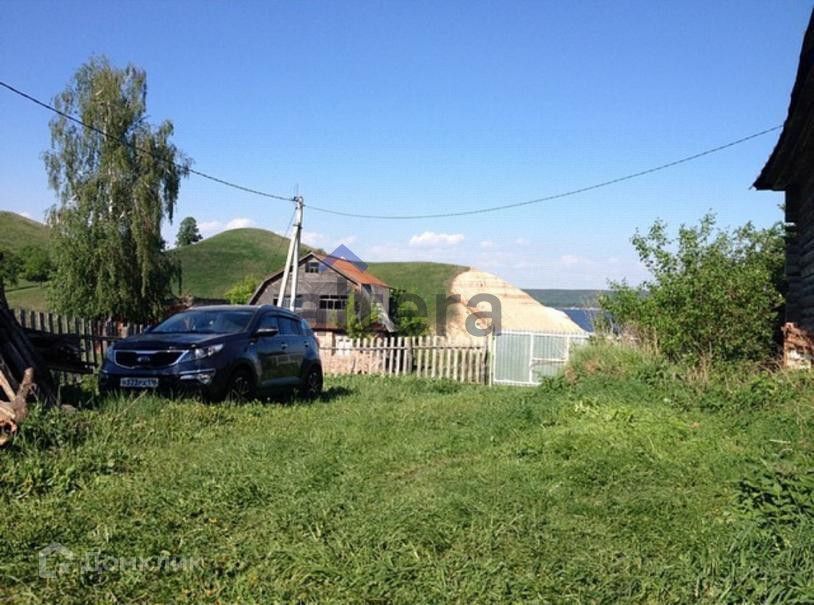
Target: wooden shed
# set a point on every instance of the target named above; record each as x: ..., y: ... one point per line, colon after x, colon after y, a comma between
x: 790, y: 169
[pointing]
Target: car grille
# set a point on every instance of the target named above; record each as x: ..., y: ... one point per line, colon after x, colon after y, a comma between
x: 147, y: 359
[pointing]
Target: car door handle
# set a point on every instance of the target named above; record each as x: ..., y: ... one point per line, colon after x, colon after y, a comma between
x: 284, y: 346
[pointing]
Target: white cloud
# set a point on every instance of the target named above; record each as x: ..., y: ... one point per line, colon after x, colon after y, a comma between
x: 521, y: 241
x: 430, y: 239
x: 239, y: 223
x: 569, y: 260
x: 325, y: 241
x: 487, y: 244
x: 26, y: 215
x: 210, y: 227
x: 314, y: 238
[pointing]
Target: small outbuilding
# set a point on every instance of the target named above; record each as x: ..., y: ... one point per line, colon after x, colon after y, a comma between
x: 790, y: 169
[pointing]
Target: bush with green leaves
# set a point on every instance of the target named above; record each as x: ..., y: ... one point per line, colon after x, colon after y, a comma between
x: 360, y: 316
x: 37, y: 264
x: 241, y: 292
x: 714, y: 294
x: 406, y: 314
x: 10, y: 267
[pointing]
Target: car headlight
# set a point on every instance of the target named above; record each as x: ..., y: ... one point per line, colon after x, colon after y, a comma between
x: 204, y: 352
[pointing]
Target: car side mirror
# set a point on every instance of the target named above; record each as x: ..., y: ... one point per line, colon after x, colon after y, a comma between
x: 266, y: 332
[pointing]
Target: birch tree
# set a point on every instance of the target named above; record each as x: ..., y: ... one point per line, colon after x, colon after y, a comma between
x: 117, y: 179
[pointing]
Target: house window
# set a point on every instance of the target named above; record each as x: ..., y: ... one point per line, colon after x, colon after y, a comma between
x: 297, y: 301
x: 336, y: 303
x: 312, y: 266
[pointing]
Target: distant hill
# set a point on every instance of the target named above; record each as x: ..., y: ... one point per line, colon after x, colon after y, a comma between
x: 424, y: 279
x: 17, y: 231
x: 215, y: 264
x: 567, y: 298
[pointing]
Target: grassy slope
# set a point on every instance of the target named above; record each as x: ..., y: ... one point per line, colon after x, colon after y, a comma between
x: 28, y: 296
x: 409, y: 491
x: 215, y: 264
x: 17, y: 232
x: 427, y: 280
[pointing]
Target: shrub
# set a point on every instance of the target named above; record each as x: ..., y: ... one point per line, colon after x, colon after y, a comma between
x: 360, y: 316
x: 608, y: 359
x: 10, y: 267
x: 241, y: 292
x: 37, y: 264
x: 406, y: 315
x: 714, y: 294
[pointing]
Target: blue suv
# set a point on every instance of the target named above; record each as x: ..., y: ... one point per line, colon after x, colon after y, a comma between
x: 236, y: 352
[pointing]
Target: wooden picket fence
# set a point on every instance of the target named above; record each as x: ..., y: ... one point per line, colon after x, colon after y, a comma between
x: 94, y: 336
x: 422, y: 356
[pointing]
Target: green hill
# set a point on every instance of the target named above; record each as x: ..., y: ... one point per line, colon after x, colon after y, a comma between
x: 17, y: 231
x: 427, y: 280
x: 215, y: 264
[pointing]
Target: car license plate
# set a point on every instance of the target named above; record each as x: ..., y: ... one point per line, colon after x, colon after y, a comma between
x: 139, y: 383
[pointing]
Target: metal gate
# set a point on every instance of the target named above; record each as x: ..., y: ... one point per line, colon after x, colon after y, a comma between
x: 525, y: 358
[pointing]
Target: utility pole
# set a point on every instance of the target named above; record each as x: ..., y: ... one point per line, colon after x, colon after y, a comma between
x: 295, y: 264
x: 292, y: 261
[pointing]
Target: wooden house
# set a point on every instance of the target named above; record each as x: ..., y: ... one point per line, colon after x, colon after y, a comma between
x: 790, y: 169
x: 324, y: 286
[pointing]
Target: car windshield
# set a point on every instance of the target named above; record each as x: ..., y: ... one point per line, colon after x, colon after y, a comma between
x: 205, y: 322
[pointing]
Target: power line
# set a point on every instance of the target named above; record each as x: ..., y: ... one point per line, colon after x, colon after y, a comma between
x: 76, y: 120
x: 550, y: 197
x: 405, y: 216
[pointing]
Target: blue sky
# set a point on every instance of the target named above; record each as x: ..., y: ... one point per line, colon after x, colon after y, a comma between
x: 393, y: 107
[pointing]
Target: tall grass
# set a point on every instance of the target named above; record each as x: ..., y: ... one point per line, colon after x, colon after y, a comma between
x: 620, y: 482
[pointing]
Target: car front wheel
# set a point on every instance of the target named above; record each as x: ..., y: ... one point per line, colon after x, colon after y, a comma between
x: 241, y: 387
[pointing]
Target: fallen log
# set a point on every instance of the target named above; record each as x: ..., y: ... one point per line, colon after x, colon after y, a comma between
x: 15, y: 410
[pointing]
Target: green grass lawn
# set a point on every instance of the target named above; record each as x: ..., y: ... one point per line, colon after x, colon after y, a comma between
x: 405, y: 491
x: 28, y: 295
